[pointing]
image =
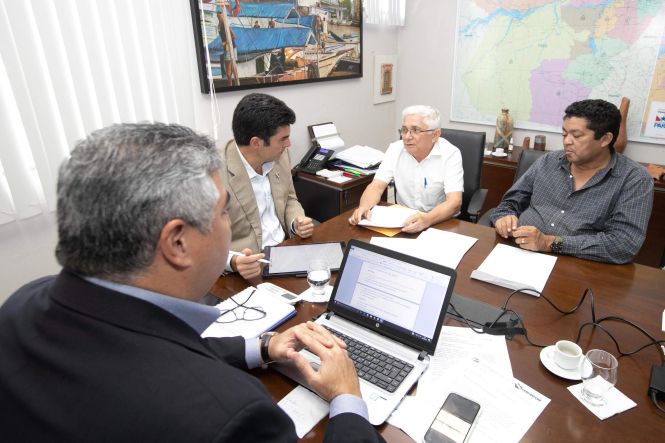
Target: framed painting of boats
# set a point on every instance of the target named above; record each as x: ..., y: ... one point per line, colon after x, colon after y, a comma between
x: 254, y: 44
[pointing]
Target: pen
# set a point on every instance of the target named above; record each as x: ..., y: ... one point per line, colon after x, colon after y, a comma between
x: 425, y: 182
x: 348, y: 174
x: 261, y: 260
x: 352, y: 171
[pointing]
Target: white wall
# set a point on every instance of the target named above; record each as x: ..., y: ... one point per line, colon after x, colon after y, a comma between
x: 426, y: 50
x: 28, y: 246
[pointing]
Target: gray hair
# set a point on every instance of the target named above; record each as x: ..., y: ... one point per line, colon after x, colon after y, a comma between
x: 430, y: 115
x: 121, y: 185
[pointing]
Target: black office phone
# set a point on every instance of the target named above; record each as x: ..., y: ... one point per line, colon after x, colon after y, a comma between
x: 315, y: 159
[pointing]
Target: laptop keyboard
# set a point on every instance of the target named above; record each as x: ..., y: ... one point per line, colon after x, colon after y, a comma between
x: 374, y: 366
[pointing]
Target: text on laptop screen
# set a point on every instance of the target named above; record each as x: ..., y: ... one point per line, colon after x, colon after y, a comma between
x: 386, y: 289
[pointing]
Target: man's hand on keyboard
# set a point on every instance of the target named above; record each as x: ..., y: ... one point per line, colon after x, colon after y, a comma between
x: 336, y: 375
x: 289, y: 340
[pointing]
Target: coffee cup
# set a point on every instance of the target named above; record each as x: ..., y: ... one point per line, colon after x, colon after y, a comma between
x: 567, y: 354
x: 498, y: 151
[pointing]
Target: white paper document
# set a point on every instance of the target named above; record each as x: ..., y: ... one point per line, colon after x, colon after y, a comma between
x: 340, y: 179
x: 617, y: 402
x: 324, y: 130
x: 508, y: 407
x: 388, y: 216
x: 434, y: 245
x: 459, y: 345
x: 254, y: 323
x: 515, y: 268
x: 333, y: 142
x: 362, y: 156
x: 305, y: 408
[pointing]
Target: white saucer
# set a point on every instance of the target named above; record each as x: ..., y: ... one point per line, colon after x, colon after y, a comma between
x: 494, y: 154
x: 547, y: 360
x: 488, y: 152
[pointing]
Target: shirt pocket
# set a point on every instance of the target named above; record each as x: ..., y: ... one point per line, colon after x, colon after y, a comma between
x: 434, y: 193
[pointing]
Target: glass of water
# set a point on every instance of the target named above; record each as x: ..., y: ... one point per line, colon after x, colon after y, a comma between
x: 318, y: 276
x: 599, y: 370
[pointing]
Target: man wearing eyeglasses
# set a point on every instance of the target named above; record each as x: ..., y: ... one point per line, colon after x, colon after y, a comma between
x: 111, y: 349
x: 427, y: 171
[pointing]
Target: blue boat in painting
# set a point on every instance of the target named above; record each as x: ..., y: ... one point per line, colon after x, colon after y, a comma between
x: 274, y: 42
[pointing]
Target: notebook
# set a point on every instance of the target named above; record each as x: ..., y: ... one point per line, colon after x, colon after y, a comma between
x: 261, y: 311
x: 390, y: 301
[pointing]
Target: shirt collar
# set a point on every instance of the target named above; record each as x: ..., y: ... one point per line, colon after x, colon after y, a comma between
x: 266, y: 167
x: 196, y: 315
x: 613, y: 167
x: 436, y: 150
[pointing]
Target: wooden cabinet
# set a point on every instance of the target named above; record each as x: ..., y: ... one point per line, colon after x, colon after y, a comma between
x: 497, y: 177
x: 323, y: 199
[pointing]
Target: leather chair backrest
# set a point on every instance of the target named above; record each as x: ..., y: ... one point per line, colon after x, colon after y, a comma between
x: 472, y: 146
x: 527, y: 158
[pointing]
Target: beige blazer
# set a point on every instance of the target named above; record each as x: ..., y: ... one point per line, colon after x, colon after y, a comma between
x: 244, y: 213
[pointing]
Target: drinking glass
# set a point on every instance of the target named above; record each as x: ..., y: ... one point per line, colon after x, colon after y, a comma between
x: 318, y: 276
x: 599, y: 373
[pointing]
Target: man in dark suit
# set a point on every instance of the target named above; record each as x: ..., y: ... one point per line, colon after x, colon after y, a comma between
x: 110, y: 349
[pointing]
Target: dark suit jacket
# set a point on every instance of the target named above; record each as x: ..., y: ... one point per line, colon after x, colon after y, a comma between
x: 83, y: 363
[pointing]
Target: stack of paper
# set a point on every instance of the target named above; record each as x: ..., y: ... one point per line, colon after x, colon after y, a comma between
x: 241, y: 323
x: 515, y: 268
x: 362, y: 156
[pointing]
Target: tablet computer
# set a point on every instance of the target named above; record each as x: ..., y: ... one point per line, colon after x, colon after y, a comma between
x: 294, y: 259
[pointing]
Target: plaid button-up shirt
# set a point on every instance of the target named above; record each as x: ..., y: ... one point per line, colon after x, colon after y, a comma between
x: 606, y: 220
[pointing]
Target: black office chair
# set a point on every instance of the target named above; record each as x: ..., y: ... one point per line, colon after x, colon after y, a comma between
x: 472, y: 146
x: 527, y: 158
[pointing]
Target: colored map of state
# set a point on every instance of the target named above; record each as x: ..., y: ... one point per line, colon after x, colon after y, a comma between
x: 535, y: 57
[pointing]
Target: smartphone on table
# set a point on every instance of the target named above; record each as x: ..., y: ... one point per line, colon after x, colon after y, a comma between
x: 454, y: 421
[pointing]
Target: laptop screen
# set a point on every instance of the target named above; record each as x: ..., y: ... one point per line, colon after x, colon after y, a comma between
x: 397, y: 295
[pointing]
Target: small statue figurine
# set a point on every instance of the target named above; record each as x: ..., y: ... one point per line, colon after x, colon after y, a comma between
x: 504, y: 130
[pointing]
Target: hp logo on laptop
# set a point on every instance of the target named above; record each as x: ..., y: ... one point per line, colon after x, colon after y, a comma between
x: 376, y: 324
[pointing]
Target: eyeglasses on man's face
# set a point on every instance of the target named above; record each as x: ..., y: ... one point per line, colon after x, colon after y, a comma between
x: 415, y: 131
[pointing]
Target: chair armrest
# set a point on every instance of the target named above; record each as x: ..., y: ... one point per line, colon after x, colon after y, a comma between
x: 476, y: 204
x: 485, y: 219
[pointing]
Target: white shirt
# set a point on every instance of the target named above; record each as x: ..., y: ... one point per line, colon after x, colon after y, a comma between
x: 423, y: 185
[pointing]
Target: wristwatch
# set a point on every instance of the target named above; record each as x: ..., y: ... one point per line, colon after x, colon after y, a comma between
x: 557, y: 245
x: 264, y: 346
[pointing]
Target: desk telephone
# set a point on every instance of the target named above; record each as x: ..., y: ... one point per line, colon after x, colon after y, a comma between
x: 315, y: 159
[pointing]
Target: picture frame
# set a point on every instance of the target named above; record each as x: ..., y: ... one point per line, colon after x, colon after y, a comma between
x: 243, y: 45
x: 385, y: 77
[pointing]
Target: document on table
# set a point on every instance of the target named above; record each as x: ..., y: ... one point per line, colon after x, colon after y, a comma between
x: 515, y: 268
x: 434, y: 245
x: 305, y: 408
x: 460, y: 344
x: 508, y: 407
x: 388, y: 216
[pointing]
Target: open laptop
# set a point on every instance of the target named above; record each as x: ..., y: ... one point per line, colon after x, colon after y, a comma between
x: 394, y: 303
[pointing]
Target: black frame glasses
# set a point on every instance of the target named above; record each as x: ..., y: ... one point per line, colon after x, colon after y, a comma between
x: 248, y: 313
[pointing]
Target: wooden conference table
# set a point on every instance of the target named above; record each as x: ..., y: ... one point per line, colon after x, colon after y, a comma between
x: 634, y: 292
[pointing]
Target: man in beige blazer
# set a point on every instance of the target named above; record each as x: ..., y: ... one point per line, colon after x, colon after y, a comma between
x: 264, y: 209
